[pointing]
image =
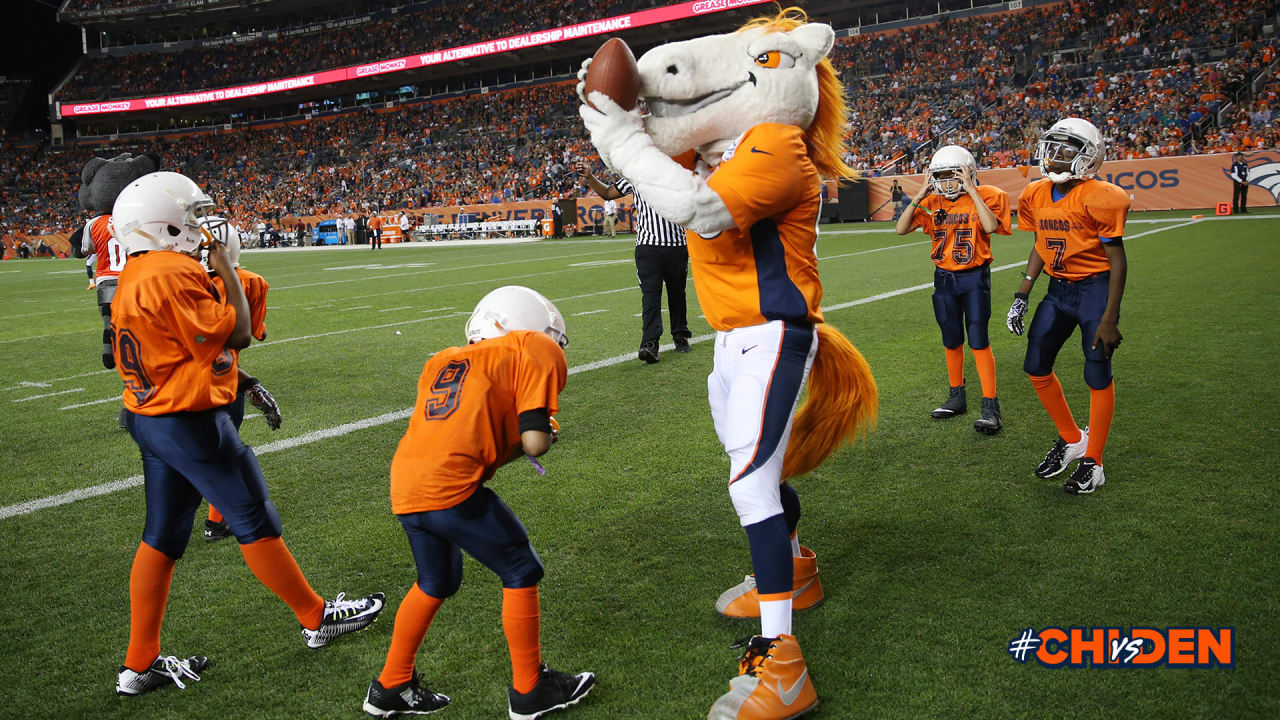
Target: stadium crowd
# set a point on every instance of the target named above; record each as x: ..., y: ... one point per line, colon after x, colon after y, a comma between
x: 487, y: 147
x: 433, y: 26
x: 1152, y: 76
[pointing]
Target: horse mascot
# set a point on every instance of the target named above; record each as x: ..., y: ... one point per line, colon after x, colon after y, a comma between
x: 740, y: 131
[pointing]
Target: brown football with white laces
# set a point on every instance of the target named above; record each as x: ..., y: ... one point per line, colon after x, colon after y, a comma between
x: 613, y: 72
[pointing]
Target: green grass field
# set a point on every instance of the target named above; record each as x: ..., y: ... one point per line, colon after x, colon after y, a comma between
x: 937, y: 545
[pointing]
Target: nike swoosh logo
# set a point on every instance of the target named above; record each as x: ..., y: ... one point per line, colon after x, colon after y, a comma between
x: 746, y: 350
x: 789, y: 696
x: 755, y: 149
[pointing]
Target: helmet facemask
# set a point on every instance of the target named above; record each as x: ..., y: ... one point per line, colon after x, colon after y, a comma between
x: 1065, y: 156
x: 946, y: 181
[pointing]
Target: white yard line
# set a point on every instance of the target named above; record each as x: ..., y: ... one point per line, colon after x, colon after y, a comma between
x: 113, y: 398
x: 37, y: 337
x: 402, y: 307
x: 37, y: 397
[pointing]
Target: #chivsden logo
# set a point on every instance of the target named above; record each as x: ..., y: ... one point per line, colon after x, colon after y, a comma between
x: 1138, y: 647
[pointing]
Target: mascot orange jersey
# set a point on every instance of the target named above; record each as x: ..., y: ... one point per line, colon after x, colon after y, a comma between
x: 466, y: 421
x: 959, y: 242
x: 170, y: 330
x: 111, y: 257
x: 1068, y: 229
x: 766, y: 268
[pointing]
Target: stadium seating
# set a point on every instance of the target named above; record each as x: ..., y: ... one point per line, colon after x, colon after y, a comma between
x: 1158, y: 79
x: 436, y: 26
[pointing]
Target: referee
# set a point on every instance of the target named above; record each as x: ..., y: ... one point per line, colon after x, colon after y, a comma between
x: 661, y: 257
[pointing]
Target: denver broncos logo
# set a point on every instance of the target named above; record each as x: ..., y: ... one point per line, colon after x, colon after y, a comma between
x: 1263, y: 172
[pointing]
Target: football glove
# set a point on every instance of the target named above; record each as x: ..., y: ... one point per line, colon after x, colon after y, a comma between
x: 261, y: 399
x: 1017, y: 312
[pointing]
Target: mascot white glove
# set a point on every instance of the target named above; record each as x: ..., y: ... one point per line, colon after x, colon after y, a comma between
x: 675, y: 192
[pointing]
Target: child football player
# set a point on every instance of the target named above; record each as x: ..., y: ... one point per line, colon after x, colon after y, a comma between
x: 174, y: 343
x: 478, y: 407
x: 1079, y: 225
x: 960, y: 216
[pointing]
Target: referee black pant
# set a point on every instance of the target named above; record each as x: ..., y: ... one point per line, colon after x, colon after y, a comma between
x: 656, y: 265
x: 1239, y: 197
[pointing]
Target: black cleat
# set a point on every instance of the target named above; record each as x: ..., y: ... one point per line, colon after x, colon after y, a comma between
x: 165, y: 670
x: 342, y: 616
x: 649, y: 352
x: 411, y: 698
x: 956, y: 404
x: 1062, y: 454
x: 215, y: 531
x: 682, y: 345
x: 1087, y: 478
x: 555, y: 691
x: 989, y: 422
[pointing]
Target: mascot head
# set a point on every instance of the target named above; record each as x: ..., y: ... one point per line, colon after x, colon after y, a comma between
x: 102, y: 179
x: 704, y: 93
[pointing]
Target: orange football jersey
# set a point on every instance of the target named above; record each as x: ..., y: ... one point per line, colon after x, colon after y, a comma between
x: 1068, y: 231
x: 959, y: 242
x: 255, y: 291
x: 170, y: 330
x: 111, y: 257
x: 765, y: 268
x: 466, y: 420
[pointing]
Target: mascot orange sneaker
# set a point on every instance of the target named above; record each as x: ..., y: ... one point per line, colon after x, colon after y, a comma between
x: 772, y: 683
x: 742, y: 601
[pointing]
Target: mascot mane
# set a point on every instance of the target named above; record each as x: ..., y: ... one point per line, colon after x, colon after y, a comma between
x: 825, y: 137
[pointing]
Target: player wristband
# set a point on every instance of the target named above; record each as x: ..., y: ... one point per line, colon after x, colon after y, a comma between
x: 246, y: 383
x: 1020, y: 296
x: 1028, y: 278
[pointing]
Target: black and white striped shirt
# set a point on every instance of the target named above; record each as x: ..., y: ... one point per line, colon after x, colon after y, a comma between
x: 651, y: 228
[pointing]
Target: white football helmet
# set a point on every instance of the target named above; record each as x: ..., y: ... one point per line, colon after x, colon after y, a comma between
x: 946, y: 168
x: 1074, y: 142
x: 221, y: 229
x: 514, y: 307
x: 160, y: 211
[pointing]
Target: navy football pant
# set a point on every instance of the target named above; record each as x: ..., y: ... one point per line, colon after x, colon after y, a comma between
x: 187, y: 456
x: 1066, y: 306
x: 482, y: 525
x: 962, y: 300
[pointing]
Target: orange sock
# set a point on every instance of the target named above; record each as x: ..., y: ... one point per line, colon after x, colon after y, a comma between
x: 148, y: 594
x: 986, y: 363
x: 274, y: 566
x: 522, y: 623
x: 214, y: 515
x: 412, y: 620
x: 1050, y: 392
x: 1102, y: 407
x: 955, y: 366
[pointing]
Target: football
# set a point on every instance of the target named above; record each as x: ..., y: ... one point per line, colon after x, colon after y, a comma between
x: 613, y: 72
